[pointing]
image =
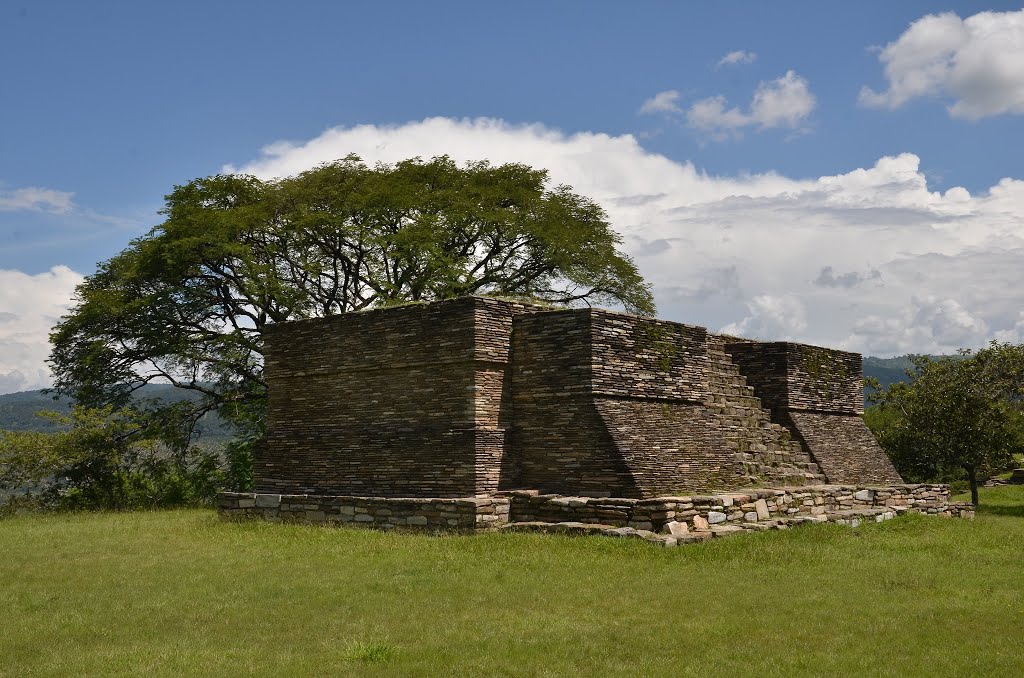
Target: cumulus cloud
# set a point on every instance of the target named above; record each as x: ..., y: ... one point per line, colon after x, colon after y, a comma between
x: 738, y: 57
x: 927, y: 325
x: 783, y: 102
x: 32, y: 305
x: 1013, y: 335
x: 977, y: 62
x: 771, y: 317
x: 662, y: 102
x: 36, y: 200
x: 744, y: 252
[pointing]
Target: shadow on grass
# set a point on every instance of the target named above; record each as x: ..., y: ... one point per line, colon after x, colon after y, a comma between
x: 1001, y: 510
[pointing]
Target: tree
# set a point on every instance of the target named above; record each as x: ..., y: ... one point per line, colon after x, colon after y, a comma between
x: 102, y: 459
x: 956, y: 412
x: 188, y: 302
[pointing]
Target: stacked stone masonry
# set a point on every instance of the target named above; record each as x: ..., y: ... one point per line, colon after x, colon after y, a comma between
x: 816, y: 394
x: 667, y: 521
x: 475, y: 395
x: 435, y: 412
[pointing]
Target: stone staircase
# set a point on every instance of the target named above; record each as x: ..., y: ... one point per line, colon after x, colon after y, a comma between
x: 768, y: 452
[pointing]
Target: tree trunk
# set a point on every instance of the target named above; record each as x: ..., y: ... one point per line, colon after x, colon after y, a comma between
x: 972, y: 478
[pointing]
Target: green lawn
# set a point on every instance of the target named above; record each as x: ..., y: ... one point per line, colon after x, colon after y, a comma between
x: 182, y: 593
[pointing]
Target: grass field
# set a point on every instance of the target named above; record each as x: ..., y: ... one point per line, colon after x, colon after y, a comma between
x: 181, y: 593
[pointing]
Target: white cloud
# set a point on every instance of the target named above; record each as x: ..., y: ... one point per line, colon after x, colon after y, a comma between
x: 662, y: 102
x: 928, y: 325
x: 977, y: 62
x: 738, y: 57
x: 771, y: 317
x: 36, y: 200
x: 784, y: 102
x: 31, y: 305
x: 1013, y: 335
x: 747, y: 250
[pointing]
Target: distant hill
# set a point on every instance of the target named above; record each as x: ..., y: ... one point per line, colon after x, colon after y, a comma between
x: 886, y: 370
x: 889, y: 370
x: 18, y: 411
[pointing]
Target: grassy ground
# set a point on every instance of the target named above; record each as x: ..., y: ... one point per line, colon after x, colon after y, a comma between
x: 181, y: 593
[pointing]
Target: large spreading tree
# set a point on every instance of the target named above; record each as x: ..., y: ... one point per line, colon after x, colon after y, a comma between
x: 188, y: 302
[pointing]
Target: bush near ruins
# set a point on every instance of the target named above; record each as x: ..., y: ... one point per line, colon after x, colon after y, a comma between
x: 188, y: 302
x: 107, y: 459
x: 957, y: 416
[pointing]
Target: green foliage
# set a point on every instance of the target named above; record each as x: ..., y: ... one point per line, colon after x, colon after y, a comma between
x: 955, y: 415
x: 27, y: 463
x: 187, y: 303
x: 106, y: 459
x: 238, y: 474
x: 663, y: 342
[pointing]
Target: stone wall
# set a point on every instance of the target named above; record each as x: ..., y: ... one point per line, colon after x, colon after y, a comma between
x: 666, y: 521
x: 792, y: 376
x: 415, y: 513
x: 751, y: 506
x: 817, y: 394
x: 409, y: 401
x: 470, y: 396
x: 843, y: 446
x: 608, y: 404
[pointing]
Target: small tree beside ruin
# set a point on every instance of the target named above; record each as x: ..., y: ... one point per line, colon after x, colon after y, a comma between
x: 955, y: 413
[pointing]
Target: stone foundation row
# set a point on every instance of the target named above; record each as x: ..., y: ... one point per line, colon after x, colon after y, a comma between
x: 679, y: 532
x: 665, y: 520
x: 470, y: 514
x: 700, y: 512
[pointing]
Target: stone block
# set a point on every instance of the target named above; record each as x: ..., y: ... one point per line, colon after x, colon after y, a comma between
x: 716, y: 517
x: 268, y: 500
x: 676, y: 528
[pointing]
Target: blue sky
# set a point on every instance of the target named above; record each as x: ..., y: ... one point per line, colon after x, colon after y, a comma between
x: 107, y: 105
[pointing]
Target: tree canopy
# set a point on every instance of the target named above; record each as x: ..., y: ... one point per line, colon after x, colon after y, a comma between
x: 187, y: 303
x: 961, y: 412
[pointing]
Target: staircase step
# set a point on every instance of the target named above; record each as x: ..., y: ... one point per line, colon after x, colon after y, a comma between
x: 764, y: 447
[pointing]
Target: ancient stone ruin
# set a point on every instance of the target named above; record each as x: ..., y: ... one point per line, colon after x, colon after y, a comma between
x: 479, y: 412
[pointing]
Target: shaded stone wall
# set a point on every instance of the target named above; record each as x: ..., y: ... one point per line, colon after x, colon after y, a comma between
x: 610, y: 404
x: 791, y: 376
x: 409, y: 401
x: 559, y: 440
x: 465, y: 397
x: 843, y: 446
x: 424, y: 514
x: 817, y: 393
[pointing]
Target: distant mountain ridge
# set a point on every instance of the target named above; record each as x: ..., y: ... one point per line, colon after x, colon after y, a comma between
x: 887, y: 370
x: 18, y: 411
